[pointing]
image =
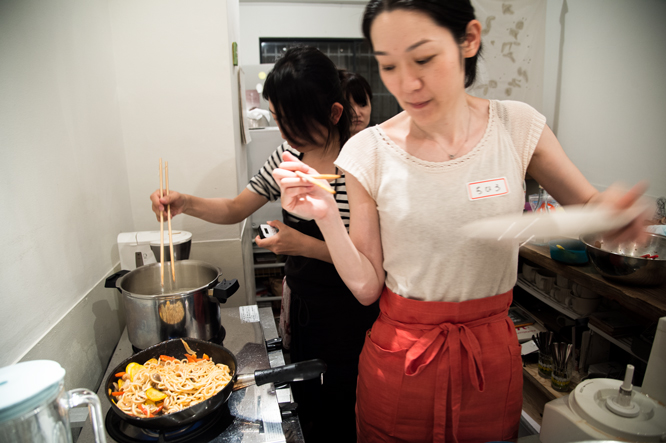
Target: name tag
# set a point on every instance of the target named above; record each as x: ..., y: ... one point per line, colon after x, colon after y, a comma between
x: 487, y: 188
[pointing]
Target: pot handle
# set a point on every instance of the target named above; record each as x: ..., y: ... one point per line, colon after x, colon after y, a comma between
x: 225, y: 289
x: 304, y: 370
x: 113, y: 278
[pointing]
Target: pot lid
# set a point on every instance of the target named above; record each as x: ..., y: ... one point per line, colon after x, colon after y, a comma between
x: 152, y: 238
x: 178, y: 237
x: 27, y: 385
x: 588, y: 400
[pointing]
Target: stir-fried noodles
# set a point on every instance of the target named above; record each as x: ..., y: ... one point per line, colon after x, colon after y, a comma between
x: 168, y: 385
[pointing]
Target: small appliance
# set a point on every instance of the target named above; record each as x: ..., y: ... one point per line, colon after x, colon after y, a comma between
x: 608, y: 409
x: 34, y: 407
x: 142, y: 248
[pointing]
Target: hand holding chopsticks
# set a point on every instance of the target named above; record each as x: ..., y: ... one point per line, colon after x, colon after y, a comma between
x: 173, y: 263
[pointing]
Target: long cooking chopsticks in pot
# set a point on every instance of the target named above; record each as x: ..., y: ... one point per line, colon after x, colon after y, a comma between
x: 161, y: 229
x: 173, y: 267
x: 173, y: 263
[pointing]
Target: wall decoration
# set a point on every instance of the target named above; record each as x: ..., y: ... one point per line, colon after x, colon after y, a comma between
x: 513, y: 37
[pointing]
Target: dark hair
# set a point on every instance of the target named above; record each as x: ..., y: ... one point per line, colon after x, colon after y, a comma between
x: 356, y: 87
x: 453, y: 15
x: 303, y: 86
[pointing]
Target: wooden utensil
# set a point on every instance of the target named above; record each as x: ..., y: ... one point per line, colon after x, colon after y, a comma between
x: 326, y: 176
x: 173, y: 263
x: 314, y: 181
x: 161, y: 229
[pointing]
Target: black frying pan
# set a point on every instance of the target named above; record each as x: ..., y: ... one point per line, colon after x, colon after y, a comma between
x: 219, y: 354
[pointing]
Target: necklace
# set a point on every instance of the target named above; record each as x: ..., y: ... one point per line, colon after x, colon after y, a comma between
x: 469, y: 124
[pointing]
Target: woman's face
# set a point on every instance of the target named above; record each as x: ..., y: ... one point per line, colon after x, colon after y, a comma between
x: 421, y: 65
x: 361, y: 115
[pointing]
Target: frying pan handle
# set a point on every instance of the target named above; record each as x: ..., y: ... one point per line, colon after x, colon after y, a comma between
x: 304, y: 370
x: 113, y: 278
x: 225, y: 289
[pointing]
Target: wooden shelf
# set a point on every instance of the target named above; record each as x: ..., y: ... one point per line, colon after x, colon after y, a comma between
x: 531, y: 374
x: 649, y: 302
x: 538, y: 293
x: 623, y: 343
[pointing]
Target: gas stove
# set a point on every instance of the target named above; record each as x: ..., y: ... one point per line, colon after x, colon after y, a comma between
x: 254, y: 414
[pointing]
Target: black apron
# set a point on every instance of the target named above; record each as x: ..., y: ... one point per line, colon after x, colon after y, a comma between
x: 327, y: 322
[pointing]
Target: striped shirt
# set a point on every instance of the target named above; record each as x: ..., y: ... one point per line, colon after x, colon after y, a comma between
x: 265, y: 185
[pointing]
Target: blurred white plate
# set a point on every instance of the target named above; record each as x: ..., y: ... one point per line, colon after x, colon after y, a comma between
x: 572, y: 222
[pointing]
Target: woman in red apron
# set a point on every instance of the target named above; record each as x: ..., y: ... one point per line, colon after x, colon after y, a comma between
x: 440, y: 371
x: 442, y: 362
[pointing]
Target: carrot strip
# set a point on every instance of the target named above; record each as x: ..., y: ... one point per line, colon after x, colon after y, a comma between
x: 145, y: 411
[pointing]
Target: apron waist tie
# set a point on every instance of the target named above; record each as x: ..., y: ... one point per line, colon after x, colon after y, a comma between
x: 454, y: 342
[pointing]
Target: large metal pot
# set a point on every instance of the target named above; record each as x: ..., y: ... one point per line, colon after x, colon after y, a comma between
x: 188, y: 308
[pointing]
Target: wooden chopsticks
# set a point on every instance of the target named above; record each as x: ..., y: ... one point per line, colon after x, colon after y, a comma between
x: 313, y: 179
x: 326, y: 176
x: 161, y: 229
x: 173, y: 263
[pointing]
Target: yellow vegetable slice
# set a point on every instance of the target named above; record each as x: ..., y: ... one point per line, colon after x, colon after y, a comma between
x: 132, y: 369
x: 155, y: 395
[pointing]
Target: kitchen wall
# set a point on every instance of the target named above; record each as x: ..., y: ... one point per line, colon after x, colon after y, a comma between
x: 605, y: 95
x: 603, y: 84
x: 178, y: 100
x: 64, y: 183
x: 93, y: 93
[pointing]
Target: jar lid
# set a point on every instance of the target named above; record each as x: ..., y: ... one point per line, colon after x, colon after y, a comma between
x: 27, y: 385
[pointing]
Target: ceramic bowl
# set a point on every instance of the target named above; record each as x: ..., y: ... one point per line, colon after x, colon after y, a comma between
x: 544, y: 280
x: 571, y: 252
x: 529, y: 272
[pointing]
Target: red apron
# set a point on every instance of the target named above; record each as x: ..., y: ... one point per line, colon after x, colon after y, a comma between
x: 440, y: 371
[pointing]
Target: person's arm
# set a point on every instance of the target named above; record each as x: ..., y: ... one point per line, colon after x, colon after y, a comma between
x: 553, y: 170
x: 289, y: 241
x: 357, y: 256
x: 222, y: 211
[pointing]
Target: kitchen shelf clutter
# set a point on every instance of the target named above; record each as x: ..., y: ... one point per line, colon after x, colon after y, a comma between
x: 649, y: 302
x: 268, y: 275
x: 606, y: 334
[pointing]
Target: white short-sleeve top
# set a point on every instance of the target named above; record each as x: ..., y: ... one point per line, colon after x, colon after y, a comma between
x: 423, y: 205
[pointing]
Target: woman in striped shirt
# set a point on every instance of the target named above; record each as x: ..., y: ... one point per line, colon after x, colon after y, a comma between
x: 307, y: 102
